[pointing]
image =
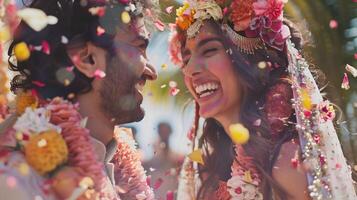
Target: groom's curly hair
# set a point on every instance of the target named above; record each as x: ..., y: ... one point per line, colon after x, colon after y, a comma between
x: 47, y: 73
x: 74, y: 23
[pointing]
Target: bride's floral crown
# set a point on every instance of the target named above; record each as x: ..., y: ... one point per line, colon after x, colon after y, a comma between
x: 250, y: 24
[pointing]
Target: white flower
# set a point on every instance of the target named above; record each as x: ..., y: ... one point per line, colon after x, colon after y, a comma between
x: 34, y: 121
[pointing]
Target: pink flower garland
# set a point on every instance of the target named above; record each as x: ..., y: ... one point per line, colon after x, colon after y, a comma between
x: 81, y: 152
x: 245, y: 180
x: 129, y: 174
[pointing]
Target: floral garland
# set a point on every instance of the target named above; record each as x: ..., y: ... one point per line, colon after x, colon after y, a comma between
x: 245, y: 180
x: 56, y: 144
x: 257, y: 18
x: 129, y: 174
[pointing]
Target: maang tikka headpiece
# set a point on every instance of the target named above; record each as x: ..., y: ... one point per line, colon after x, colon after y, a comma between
x: 259, y: 23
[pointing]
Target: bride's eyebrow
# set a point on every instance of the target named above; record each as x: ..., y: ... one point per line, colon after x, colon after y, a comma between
x: 207, y: 40
x: 202, y: 43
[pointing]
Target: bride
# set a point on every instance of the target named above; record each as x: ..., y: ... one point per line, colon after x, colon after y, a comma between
x: 267, y: 132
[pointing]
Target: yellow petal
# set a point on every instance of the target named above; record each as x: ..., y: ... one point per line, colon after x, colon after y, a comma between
x: 248, y: 177
x: 22, y: 52
x: 196, y: 156
x: 125, y: 17
x: 305, y: 99
x: 238, y: 133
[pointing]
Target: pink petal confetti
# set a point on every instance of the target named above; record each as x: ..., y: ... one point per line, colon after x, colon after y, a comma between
x: 148, y: 12
x: 345, y: 82
x: 159, y: 25
x: 75, y: 59
x: 174, y: 91
x: 352, y: 70
x: 39, y: 83
x: 148, y: 180
x: 99, y: 74
x: 355, y: 56
x: 333, y: 24
x: 257, y: 122
x: 45, y: 47
x: 338, y: 166
x: 99, y: 11
x: 11, y: 181
x: 169, y: 9
x: 225, y: 11
x: 158, y: 183
x: 70, y: 68
x: 169, y: 195
x: 100, y: 31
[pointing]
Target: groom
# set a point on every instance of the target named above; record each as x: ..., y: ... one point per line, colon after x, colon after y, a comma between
x: 94, y: 55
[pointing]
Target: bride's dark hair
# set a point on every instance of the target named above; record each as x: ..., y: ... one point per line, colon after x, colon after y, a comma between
x: 262, y: 146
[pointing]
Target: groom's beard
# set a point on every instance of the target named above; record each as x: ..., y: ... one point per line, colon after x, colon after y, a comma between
x: 120, y: 99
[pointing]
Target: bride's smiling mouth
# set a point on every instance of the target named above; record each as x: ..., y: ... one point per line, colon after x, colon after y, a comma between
x: 206, y: 89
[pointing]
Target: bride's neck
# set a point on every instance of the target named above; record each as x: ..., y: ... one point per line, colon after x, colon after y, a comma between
x: 228, y: 118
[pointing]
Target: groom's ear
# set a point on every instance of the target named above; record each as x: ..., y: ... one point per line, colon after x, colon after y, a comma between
x: 87, y: 58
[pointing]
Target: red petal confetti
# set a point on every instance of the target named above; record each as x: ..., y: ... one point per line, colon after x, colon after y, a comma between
x: 38, y: 83
x: 99, y: 74
x: 45, y: 47
x: 169, y: 195
x: 158, y: 183
x: 355, y: 55
x: 294, y: 162
x: 307, y: 113
x: 338, y: 166
x: 169, y: 9
x: 4, y: 153
x: 99, y: 11
x: 25, y: 137
x: 333, y: 24
x: 148, y: 180
x: 100, y: 31
x: 159, y: 25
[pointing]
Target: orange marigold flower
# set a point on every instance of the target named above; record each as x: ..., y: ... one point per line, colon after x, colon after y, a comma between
x: 184, y: 16
x: 184, y: 22
x: 46, y: 151
x: 241, y: 14
x: 24, y: 100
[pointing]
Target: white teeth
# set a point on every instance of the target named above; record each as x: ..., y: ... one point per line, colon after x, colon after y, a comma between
x: 204, y: 87
x: 206, y: 94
